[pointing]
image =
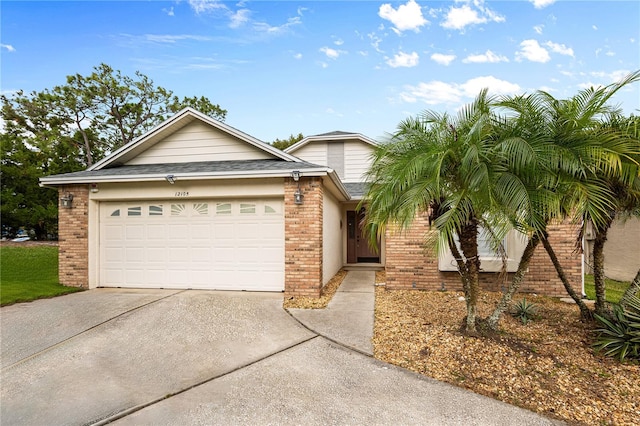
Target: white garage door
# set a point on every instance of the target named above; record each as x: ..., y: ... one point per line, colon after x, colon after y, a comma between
x: 200, y: 244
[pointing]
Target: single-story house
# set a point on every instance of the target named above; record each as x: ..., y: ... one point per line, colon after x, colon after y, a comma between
x: 195, y: 203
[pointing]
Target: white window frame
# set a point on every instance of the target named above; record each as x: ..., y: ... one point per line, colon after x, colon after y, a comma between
x: 515, y: 243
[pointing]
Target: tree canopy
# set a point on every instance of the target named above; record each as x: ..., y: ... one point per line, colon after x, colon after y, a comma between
x: 69, y: 127
x: 286, y: 143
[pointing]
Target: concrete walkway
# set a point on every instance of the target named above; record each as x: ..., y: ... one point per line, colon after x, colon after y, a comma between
x: 348, y: 319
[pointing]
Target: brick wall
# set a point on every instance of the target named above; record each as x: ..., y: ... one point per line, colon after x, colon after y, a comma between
x: 73, y: 236
x: 409, y: 264
x: 303, y: 238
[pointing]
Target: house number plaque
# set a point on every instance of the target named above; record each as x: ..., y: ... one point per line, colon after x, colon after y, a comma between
x: 182, y: 194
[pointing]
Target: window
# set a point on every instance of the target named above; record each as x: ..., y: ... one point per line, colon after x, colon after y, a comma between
x: 134, y: 211
x: 269, y: 210
x: 115, y: 213
x: 178, y: 209
x: 514, y: 244
x: 223, y: 208
x: 247, y: 208
x: 155, y: 210
x: 201, y: 209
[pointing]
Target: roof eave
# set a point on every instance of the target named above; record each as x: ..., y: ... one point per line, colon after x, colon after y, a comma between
x: 258, y: 174
x: 315, y: 138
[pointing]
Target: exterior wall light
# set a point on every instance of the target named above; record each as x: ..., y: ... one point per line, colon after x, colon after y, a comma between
x: 297, y: 196
x: 94, y: 188
x: 171, y: 179
x: 66, y: 201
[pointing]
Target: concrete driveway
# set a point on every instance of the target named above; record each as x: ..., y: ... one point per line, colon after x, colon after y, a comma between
x: 204, y: 357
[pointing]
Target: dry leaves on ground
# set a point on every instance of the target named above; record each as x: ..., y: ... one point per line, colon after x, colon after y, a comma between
x: 306, y: 302
x: 546, y: 366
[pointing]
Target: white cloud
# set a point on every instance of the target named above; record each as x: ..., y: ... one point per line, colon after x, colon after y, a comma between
x: 440, y: 92
x: 375, y: 42
x: 443, y: 59
x: 488, y: 56
x: 406, y: 17
x: 9, y: 47
x: 610, y: 53
x: 402, y: 59
x: 339, y: 42
x: 263, y: 27
x: 331, y: 53
x: 595, y: 27
x: 432, y: 93
x: 559, y: 48
x: 496, y: 86
x: 169, y: 11
x: 239, y: 18
x: 201, y: 6
x: 173, y: 38
x: 538, y: 28
x: 458, y: 18
x: 298, y: 56
x: 539, y: 4
x: 532, y: 51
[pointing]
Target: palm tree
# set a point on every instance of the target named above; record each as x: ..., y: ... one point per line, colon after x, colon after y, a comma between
x: 446, y: 166
x: 583, y: 156
x: 625, y: 188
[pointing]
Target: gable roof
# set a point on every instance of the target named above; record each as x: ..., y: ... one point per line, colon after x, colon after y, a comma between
x: 329, y: 137
x: 172, y: 125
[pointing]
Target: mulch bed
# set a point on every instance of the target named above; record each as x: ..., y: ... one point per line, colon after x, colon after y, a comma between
x: 547, y: 366
x: 304, y: 302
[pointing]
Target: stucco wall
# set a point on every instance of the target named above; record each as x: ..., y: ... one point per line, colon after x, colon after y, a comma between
x: 621, y: 251
x: 331, y: 237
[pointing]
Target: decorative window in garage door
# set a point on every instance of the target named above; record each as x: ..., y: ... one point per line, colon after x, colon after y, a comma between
x: 155, y: 210
x: 201, y: 209
x: 247, y: 208
x: 223, y: 208
x: 178, y: 209
x: 134, y: 211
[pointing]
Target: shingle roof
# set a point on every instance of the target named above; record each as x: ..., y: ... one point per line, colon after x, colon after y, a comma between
x: 356, y: 189
x: 192, y: 168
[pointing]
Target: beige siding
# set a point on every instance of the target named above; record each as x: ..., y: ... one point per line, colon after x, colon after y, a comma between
x: 357, y: 160
x: 315, y: 152
x: 621, y: 251
x: 198, y: 142
x: 331, y: 237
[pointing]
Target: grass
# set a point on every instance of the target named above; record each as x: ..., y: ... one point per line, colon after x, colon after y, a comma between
x: 614, y: 289
x: 29, y: 273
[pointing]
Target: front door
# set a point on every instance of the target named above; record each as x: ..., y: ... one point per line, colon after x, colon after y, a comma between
x: 358, y: 249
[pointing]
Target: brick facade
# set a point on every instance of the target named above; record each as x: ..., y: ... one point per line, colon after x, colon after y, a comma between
x: 410, y: 265
x: 73, y: 236
x: 303, y: 238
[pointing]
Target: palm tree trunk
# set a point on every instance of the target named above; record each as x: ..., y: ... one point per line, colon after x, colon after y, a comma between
x: 598, y: 268
x: 598, y: 272
x: 469, y: 246
x: 633, y: 290
x: 585, y: 313
x: 518, y: 278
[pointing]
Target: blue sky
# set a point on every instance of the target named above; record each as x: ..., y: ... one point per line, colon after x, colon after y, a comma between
x: 310, y: 67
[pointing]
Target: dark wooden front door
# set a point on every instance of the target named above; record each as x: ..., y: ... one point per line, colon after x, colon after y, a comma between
x: 358, y: 249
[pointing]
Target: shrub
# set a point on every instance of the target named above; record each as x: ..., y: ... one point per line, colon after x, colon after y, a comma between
x: 620, y: 335
x: 524, y: 310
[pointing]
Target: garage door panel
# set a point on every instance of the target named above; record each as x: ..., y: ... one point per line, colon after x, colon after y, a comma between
x: 201, y: 254
x: 232, y: 245
x: 156, y: 232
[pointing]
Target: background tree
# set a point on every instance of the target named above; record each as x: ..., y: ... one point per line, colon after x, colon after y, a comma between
x: 97, y: 113
x: 70, y: 126
x: 286, y: 143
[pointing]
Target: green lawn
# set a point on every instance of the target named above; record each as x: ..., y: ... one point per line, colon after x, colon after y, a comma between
x: 28, y: 273
x: 614, y: 289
